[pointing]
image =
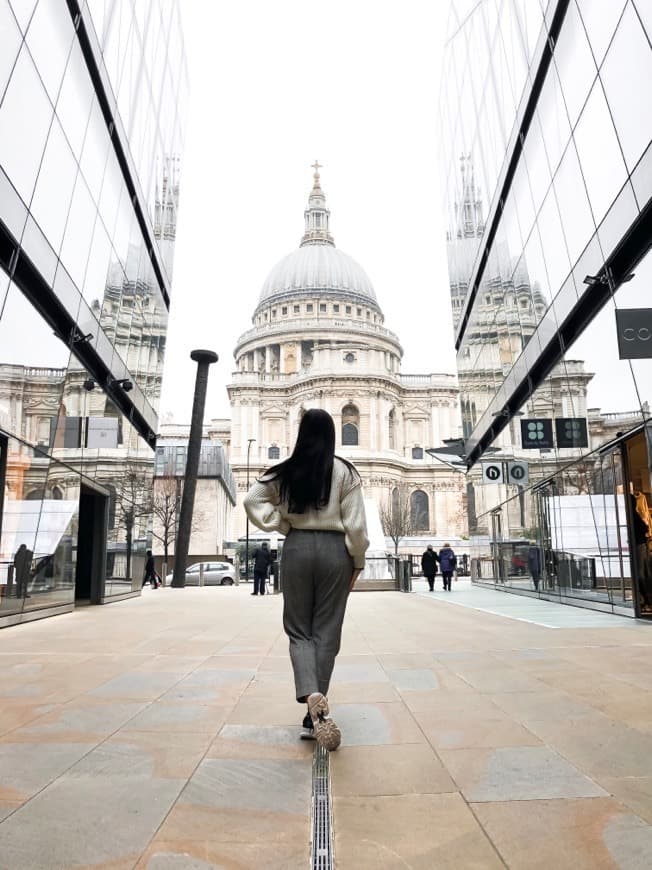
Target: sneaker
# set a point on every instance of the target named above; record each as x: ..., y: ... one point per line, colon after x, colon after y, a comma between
x: 307, y: 728
x: 327, y: 734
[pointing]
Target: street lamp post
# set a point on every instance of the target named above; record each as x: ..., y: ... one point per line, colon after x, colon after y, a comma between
x: 250, y: 442
x: 203, y: 358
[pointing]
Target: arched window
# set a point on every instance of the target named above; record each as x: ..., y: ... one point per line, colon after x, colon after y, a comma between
x: 419, y: 511
x: 350, y: 425
x: 392, y: 429
x: 396, y: 502
x: 273, y: 452
x: 57, y: 493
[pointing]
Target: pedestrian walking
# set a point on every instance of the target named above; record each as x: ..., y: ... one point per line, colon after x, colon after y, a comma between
x: 22, y: 566
x: 150, y: 575
x: 315, y: 499
x: 534, y: 563
x: 262, y: 561
x: 429, y: 562
x: 447, y: 563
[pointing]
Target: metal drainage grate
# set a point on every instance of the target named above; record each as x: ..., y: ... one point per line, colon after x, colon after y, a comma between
x: 322, y: 828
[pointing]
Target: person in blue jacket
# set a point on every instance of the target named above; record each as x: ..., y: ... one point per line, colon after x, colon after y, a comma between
x: 447, y: 563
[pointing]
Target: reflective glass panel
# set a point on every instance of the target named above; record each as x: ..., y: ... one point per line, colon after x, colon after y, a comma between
x: 626, y: 74
x: 11, y: 39
x: 575, y: 63
x: 49, y: 37
x: 603, y: 167
x: 25, y: 116
x: 600, y: 20
x: 54, y: 186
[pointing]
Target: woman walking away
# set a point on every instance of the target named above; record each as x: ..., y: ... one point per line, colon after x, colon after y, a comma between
x: 315, y: 499
x: 448, y: 563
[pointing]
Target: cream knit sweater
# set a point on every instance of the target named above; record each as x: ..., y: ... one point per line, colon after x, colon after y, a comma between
x: 343, y: 513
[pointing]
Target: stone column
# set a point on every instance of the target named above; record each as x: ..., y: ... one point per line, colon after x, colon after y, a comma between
x: 203, y: 358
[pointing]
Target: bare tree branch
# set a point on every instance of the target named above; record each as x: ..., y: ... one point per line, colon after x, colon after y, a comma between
x: 396, y: 516
x: 166, y: 506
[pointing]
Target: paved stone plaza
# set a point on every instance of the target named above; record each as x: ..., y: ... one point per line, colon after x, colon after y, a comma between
x: 161, y: 732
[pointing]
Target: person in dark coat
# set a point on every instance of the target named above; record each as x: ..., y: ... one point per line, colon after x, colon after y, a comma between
x: 429, y: 566
x: 150, y: 573
x: 447, y: 563
x: 534, y: 563
x: 22, y: 566
x: 262, y: 560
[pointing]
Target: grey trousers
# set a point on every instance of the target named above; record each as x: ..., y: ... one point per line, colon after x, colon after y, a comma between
x: 316, y: 575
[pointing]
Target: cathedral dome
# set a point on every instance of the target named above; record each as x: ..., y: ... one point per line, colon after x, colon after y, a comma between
x: 317, y: 265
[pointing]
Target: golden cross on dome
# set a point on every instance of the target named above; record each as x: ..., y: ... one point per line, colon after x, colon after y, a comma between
x: 317, y: 166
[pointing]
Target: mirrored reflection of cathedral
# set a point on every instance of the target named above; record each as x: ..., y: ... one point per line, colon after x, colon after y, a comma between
x: 509, y: 307
x: 318, y: 340
x: 87, y: 226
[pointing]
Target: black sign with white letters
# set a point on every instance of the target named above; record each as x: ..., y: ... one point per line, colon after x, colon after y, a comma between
x: 571, y: 432
x: 536, y: 433
x: 634, y: 329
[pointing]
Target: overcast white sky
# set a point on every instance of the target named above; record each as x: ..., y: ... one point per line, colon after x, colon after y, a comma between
x: 353, y: 83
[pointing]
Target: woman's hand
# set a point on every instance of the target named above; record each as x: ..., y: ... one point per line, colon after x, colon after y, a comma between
x: 355, y: 576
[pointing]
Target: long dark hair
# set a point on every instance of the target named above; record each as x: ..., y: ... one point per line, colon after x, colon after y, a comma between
x: 305, y: 476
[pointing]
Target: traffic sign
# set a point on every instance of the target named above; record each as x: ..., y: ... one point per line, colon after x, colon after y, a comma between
x: 492, y: 472
x: 518, y: 472
x: 536, y: 433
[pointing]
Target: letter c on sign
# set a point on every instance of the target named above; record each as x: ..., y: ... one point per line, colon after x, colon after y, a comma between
x: 643, y: 333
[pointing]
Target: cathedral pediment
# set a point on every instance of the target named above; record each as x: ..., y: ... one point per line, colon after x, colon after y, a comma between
x: 274, y: 411
x: 416, y: 413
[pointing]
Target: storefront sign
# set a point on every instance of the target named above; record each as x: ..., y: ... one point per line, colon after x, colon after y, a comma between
x: 492, y: 472
x: 536, y: 433
x: 518, y: 473
x: 634, y: 329
x: 571, y: 432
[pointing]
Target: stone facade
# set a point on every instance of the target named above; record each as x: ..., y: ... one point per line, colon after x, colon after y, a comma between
x: 318, y: 340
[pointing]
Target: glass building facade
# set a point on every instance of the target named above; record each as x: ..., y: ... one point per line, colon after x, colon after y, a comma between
x: 92, y: 102
x: 546, y: 162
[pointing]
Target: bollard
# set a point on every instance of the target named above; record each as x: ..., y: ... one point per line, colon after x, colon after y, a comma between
x: 201, y: 574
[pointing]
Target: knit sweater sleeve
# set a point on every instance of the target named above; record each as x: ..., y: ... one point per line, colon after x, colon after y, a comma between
x: 262, y: 505
x: 355, y: 524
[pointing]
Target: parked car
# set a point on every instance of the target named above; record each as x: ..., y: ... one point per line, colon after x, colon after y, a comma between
x: 215, y: 574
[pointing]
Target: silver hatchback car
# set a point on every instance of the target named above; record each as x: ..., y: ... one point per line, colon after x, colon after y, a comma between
x: 215, y: 574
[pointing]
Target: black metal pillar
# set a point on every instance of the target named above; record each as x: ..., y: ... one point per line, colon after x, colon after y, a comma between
x: 203, y: 358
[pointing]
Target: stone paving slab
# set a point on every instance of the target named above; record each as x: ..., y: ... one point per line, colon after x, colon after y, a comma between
x: 161, y: 733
